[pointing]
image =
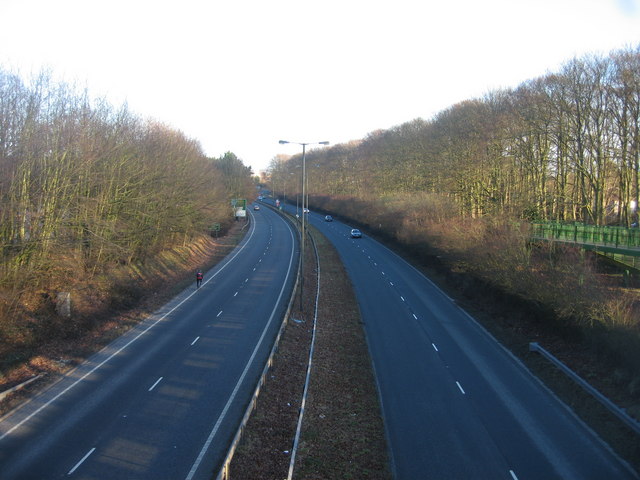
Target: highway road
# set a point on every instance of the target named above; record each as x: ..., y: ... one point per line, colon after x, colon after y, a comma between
x: 164, y: 400
x: 456, y: 404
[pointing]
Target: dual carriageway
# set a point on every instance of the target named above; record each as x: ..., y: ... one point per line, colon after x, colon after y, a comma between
x: 164, y: 400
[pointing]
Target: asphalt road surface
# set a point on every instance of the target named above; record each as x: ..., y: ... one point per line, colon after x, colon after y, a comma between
x: 456, y: 404
x: 165, y: 399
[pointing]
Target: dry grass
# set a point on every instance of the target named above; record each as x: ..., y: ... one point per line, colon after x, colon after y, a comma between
x: 265, y: 449
x: 342, y: 433
x: 582, y: 311
x: 103, y: 309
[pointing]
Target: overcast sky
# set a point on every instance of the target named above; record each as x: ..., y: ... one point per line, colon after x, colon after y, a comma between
x: 239, y: 75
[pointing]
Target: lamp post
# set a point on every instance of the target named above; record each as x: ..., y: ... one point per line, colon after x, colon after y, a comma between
x: 303, y: 233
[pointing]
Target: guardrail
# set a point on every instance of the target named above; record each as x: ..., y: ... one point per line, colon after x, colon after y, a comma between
x: 224, y: 470
x: 296, y: 440
x: 18, y: 387
x: 612, y: 407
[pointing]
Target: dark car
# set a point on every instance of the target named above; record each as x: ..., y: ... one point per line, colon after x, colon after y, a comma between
x: 328, y: 218
x: 355, y: 233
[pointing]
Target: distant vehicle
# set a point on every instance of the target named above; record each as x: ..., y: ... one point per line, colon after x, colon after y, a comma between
x: 355, y: 233
x: 256, y: 207
x: 305, y: 210
x: 328, y: 218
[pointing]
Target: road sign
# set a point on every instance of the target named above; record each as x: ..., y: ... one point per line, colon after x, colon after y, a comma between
x: 239, y: 203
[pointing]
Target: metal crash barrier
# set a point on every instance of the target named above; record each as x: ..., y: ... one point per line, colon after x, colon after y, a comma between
x: 612, y: 407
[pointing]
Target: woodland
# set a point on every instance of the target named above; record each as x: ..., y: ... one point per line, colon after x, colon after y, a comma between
x: 462, y: 187
x: 91, y: 194
x: 560, y: 147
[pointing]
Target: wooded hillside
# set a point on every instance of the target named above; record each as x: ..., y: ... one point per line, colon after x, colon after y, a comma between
x: 458, y: 190
x: 565, y: 146
x: 88, y: 194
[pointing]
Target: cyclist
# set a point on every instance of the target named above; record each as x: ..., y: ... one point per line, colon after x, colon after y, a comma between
x: 199, y: 277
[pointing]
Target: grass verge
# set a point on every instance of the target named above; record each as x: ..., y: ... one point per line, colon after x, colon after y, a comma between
x: 342, y: 432
x: 160, y: 280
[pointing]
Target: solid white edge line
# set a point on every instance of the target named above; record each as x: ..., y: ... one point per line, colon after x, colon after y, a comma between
x: 45, y: 405
x: 81, y: 461
x: 155, y: 384
x: 214, y: 431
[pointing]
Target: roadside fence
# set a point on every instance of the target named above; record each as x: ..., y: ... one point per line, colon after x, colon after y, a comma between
x: 612, y: 407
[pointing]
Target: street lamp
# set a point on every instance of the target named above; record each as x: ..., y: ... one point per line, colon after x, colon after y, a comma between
x: 304, y: 175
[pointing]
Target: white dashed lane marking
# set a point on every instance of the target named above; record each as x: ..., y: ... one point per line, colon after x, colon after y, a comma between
x: 156, y: 384
x: 81, y: 461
